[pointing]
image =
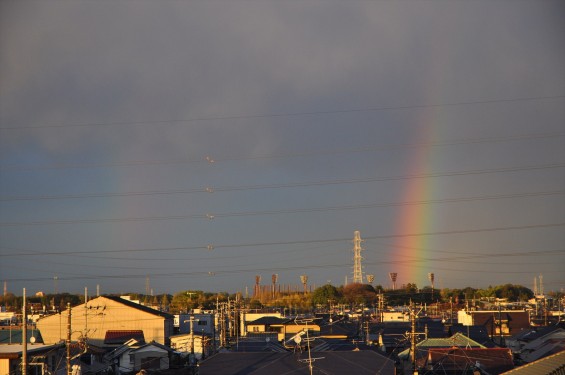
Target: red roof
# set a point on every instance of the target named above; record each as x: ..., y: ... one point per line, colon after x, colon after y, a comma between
x: 454, y: 360
x: 118, y: 337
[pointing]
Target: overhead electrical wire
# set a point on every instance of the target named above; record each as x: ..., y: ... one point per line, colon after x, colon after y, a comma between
x: 211, y: 189
x: 256, y: 270
x: 211, y: 247
x: 279, y: 115
x: 216, y: 158
x: 211, y: 216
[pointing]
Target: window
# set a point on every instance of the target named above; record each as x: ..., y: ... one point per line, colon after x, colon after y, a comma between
x: 202, y: 323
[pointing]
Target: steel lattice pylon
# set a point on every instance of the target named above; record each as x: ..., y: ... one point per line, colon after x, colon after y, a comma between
x: 357, y: 268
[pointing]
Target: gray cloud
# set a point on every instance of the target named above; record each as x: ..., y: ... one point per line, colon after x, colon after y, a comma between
x: 112, y: 62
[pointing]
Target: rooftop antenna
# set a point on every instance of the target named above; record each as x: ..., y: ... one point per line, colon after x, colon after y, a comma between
x: 308, y: 339
x: 357, y: 268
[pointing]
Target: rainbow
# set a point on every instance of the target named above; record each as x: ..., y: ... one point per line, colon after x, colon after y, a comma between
x: 410, y: 251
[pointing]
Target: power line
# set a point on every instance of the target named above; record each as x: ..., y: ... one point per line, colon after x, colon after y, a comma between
x: 209, y: 159
x: 242, y: 245
x: 231, y: 270
x: 278, y: 212
x: 280, y: 186
x: 287, y: 114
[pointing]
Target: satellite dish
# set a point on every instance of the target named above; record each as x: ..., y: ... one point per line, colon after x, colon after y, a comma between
x: 32, y: 339
x: 298, y: 339
x: 268, y: 339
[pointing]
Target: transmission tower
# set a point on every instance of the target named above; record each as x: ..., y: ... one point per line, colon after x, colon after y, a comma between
x: 357, y: 268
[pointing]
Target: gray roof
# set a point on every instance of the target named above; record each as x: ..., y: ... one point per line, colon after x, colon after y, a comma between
x: 14, y: 336
x: 545, y: 366
x: 268, y: 320
x: 352, y: 362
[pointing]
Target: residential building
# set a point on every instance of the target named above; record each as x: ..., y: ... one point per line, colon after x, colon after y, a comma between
x: 41, y: 358
x: 103, y: 315
x: 499, y: 323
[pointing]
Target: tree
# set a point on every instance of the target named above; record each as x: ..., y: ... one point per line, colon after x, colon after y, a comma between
x: 325, y: 293
x: 513, y: 292
x: 359, y: 294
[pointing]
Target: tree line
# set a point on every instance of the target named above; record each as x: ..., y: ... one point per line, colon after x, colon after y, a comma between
x: 324, y: 296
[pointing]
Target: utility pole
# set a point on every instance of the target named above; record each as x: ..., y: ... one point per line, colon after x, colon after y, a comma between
x: 413, y: 335
x: 85, y: 315
x: 24, y: 335
x: 308, y: 339
x: 367, y: 340
x: 69, y: 370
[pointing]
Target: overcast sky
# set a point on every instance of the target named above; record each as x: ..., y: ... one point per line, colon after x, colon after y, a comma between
x: 196, y: 144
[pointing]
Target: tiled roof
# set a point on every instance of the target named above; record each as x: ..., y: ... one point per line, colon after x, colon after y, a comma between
x: 350, y: 362
x: 457, y: 340
x: 118, y: 337
x: 491, y: 360
x: 476, y: 333
x: 554, y: 364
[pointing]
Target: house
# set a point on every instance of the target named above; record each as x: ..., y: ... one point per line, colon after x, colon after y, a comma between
x: 456, y: 341
x: 198, y: 322
x: 247, y: 317
x: 549, y: 343
x: 394, y: 316
x: 266, y: 324
x: 103, y: 320
x: 285, y: 328
x: 499, y: 323
x: 457, y: 361
x: 426, y: 346
x: 344, y: 330
x: 198, y: 344
x: 269, y: 363
x: 41, y: 358
x: 133, y: 356
x: 475, y: 333
x: 13, y: 335
x: 532, y: 344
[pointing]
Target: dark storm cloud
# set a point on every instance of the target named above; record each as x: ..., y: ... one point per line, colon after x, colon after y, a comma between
x: 228, y: 63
